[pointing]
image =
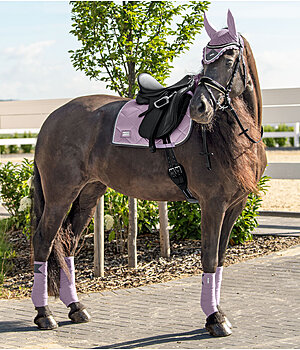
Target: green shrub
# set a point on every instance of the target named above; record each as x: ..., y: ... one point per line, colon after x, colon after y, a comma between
x: 14, y: 188
x: 14, y: 148
x: 6, y: 251
x: 269, y: 142
x: 278, y: 141
x: 116, y: 205
x: 185, y: 218
x: 27, y: 148
x: 246, y: 222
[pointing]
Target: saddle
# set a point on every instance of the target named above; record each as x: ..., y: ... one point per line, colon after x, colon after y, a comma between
x: 167, y: 106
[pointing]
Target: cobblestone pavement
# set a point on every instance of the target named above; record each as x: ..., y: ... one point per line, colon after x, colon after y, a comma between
x: 260, y: 296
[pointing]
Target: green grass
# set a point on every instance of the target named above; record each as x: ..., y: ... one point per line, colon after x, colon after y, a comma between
x: 6, y: 250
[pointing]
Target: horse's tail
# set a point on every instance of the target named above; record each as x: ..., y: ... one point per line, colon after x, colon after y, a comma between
x: 56, y: 259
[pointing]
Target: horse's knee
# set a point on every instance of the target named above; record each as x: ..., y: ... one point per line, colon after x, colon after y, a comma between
x: 209, y: 263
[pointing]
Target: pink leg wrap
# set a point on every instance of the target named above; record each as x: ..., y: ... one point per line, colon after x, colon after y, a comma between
x: 67, y: 290
x: 39, y: 295
x: 219, y: 273
x: 208, y: 296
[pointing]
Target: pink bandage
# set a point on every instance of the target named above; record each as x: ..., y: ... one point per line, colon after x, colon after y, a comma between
x: 39, y: 295
x: 208, y: 296
x: 67, y: 290
x: 219, y: 273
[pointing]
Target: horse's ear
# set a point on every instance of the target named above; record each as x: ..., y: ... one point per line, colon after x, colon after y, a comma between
x: 231, y: 25
x: 209, y: 29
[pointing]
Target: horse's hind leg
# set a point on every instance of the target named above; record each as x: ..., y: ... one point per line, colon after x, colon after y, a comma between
x: 231, y: 216
x: 43, y: 240
x: 79, y: 217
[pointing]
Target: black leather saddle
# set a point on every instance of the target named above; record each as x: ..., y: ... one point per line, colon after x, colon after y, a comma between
x: 167, y: 106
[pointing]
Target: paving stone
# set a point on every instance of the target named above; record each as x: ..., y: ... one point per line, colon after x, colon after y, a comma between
x: 258, y: 296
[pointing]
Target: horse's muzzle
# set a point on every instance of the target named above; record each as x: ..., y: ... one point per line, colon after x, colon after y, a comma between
x: 201, y: 111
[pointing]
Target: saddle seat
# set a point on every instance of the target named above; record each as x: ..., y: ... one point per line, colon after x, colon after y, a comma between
x: 167, y: 106
x: 148, y: 82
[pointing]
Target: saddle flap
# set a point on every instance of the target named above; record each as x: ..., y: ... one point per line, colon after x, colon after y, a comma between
x: 161, y: 122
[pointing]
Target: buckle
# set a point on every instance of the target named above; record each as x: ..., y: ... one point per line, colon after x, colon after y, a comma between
x: 175, y: 171
x: 222, y: 106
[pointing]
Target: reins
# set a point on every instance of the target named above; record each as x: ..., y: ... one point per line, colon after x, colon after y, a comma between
x: 225, y: 105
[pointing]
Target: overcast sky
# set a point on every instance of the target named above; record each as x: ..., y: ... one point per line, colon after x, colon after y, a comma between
x: 35, y: 39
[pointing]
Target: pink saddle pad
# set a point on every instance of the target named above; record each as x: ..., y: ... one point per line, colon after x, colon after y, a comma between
x: 126, y: 130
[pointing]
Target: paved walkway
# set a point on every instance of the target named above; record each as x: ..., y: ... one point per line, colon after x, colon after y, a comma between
x: 261, y: 298
x: 278, y: 226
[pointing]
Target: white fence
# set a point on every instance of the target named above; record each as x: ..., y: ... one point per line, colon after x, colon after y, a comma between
x: 17, y: 117
x: 282, y: 106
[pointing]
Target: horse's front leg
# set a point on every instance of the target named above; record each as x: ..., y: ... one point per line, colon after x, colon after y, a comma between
x: 211, y: 223
x: 230, y: 217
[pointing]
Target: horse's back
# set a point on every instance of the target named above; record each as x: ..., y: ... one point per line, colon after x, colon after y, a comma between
x: 72, y: 126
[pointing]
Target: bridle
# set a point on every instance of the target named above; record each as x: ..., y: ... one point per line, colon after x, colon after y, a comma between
x: 226, y: 106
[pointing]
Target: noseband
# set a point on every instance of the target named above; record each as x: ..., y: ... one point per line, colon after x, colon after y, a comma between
x: 225, y: 105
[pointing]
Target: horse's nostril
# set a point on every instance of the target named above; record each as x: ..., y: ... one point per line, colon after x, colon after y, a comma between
x: 201, y: 107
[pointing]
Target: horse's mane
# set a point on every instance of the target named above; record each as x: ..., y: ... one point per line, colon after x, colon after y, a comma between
x: 237, y: 154
x: 256, y: 107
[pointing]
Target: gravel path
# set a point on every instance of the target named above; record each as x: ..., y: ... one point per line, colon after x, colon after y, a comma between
x: 185, y: 261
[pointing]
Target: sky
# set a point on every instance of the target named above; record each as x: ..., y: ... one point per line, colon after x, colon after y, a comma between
x: 35, y: 39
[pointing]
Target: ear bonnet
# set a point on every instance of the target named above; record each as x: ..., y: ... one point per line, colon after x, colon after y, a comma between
x: 222, y: 40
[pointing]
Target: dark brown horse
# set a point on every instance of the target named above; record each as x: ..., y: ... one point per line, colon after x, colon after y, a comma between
x: 75, y: 161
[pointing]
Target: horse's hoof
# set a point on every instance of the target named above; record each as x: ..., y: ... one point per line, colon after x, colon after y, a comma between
x: 78, y: 313
x: 216, y: 325
x: 45, y: 322
x: 80, y: 316
x: 225, y: 317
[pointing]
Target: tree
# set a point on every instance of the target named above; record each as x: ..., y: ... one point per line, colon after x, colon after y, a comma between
x: 121, y: 40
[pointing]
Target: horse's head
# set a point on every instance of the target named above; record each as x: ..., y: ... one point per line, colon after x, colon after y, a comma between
x: 224, y: 72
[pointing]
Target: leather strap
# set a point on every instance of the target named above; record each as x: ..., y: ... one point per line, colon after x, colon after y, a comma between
x: 177, y: 174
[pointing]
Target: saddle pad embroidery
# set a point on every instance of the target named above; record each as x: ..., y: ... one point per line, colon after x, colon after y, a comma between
x: 126, y: 129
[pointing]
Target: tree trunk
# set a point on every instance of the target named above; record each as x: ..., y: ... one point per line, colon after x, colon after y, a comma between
x: 132, y: 233
x: 99, y: 239
x: 164, y: 230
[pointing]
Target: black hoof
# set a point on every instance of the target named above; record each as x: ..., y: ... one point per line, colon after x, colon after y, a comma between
x: 44, y: 319
x: 225, y: 317
x: 78, y: 313
x: 216, y: 325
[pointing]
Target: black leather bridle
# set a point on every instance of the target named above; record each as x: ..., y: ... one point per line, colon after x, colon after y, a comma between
x: 208, y: 83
